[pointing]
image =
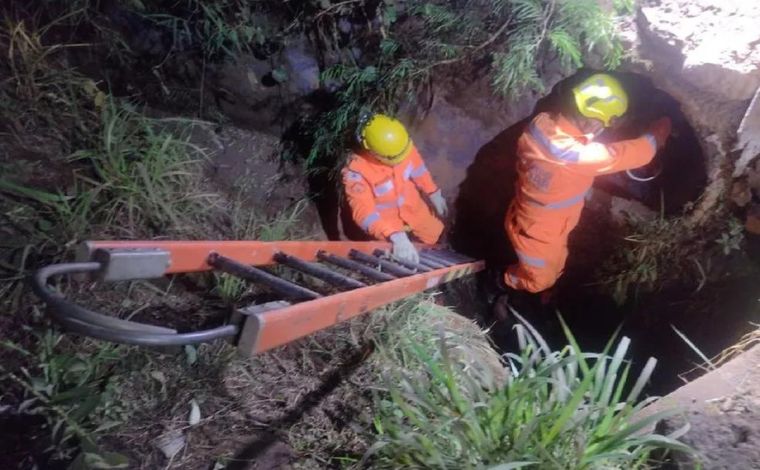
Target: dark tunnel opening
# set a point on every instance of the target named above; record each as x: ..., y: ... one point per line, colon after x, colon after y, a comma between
x: 591, y: 313
x: 489, y: 185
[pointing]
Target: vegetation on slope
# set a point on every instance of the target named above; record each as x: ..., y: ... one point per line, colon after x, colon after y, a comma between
x: 101, y: 167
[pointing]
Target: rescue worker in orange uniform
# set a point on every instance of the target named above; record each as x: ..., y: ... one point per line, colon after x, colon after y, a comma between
x: 558, y: 159
x: 383, y: 183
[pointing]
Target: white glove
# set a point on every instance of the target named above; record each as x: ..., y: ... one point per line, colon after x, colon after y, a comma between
x: 439, y: 203
x: 403, y: 248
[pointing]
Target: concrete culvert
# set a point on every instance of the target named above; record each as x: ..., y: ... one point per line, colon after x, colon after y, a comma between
x: 687, y: 295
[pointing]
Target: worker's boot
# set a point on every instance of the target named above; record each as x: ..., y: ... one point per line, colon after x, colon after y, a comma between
x: 500, y: 308
x: 497, y: 295
x: 492, y: 285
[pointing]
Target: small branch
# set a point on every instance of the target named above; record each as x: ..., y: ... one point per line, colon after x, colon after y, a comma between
x: 495, y: 35
x: 545, y: 27
x: 475, y: 49
x: 335, y: 7
x: 703, y: 281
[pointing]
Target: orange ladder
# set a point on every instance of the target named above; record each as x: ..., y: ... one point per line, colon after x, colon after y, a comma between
x: 364, y: 277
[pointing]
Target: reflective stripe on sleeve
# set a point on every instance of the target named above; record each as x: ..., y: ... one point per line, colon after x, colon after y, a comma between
x: 408, y: 171
x: 353, y: 176
x: 383, y: 188
x: 560, y: 154
x: 650, y: 138
x: 369, y: 220
x: 388, y: 205
x: 419, y: 171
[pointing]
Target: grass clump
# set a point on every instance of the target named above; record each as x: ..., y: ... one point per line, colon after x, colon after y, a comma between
x: 148, y: 174
x: 42, y: 102
x: 556, y: 409
x: 664, y: 250
x: 74, y: 394
x: 138, y: 178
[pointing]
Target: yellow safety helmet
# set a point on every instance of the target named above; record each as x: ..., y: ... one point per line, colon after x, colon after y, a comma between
x: 601, y: 97
x: 385, y: 137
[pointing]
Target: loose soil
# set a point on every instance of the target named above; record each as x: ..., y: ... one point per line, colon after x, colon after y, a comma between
x: 723, y: 411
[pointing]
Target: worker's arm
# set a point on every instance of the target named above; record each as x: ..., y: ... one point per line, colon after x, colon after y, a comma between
x: 418, y: 172
x: 363, y: 209
x: 598, y: 159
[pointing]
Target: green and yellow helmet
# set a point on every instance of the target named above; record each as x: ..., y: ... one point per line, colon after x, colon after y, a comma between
x: 601, y: 97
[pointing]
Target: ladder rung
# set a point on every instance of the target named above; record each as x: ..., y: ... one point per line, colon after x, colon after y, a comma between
x: 432, y: 257
x: 452, y: 256
x: 318, y: 271
x: 351, y: 265
x: 389, y: 266
x: 280, y: 286
x: 407, y: 264
x: 430, y: 265
x: 430, y: 261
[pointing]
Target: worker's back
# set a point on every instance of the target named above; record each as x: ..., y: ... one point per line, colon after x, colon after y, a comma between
x: 551, y: 187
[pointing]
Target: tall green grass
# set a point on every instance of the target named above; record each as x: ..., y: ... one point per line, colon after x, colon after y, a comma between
x: 150, y: 175
x: 138, y: 178
x: 562, y: 409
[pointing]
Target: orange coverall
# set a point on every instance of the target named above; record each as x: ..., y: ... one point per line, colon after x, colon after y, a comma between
x: 556, y: 168
x: 386, y: 199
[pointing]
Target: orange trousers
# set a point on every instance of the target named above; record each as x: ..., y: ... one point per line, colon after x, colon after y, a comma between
x: 541, y: 247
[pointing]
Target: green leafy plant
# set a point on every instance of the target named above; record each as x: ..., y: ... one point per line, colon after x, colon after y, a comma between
x: 668, y: 249
x: 557, y: 409
x: 733, y: 236
x: 223, y: 29
x: 504, y: 40
x: 73, y: 392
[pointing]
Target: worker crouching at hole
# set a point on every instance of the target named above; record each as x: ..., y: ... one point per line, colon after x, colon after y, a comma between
x: 558, y: 159
x: 384, y: 184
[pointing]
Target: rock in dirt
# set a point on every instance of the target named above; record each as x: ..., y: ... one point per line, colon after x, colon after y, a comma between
x: 741, y: 195
x: 748, y: 135
x: 752, y: 222
x: 705, y: 54
x: 171, y: 443
x: 623, y: 210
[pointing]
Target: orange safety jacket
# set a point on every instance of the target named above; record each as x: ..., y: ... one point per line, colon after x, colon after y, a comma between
x: 386, y: 199
x: 556, y: 167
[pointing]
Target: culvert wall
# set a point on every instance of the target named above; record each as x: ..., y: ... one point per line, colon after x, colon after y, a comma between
x: 705, y: 54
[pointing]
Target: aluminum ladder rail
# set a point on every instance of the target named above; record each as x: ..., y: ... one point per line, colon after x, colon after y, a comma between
x: 361, y: 276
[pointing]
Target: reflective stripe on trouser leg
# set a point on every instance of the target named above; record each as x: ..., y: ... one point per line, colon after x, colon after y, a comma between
x: 529, y: 278
x: 540, y: 263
